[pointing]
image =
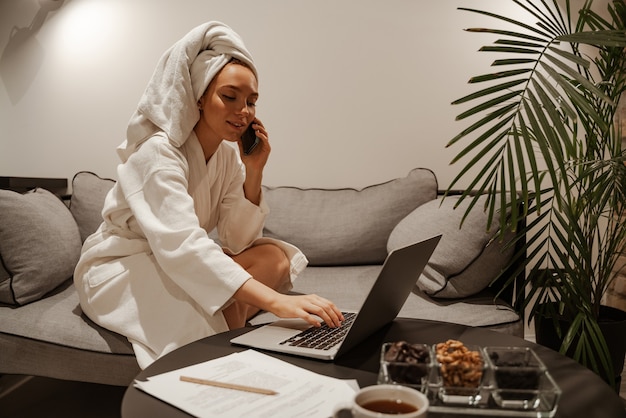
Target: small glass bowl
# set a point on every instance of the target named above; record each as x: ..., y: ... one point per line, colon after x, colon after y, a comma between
x: 460, y: 382
x: 520, y: 380
x: 412, y: 374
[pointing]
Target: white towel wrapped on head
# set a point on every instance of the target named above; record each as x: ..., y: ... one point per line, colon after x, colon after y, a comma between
x: 169, y: 103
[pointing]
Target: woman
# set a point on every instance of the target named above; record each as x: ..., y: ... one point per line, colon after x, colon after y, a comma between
x: 151, y: 272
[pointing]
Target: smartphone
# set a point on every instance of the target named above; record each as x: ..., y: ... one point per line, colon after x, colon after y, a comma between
x: 249, y: 140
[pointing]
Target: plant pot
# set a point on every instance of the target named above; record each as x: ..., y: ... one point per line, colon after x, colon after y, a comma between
x: 612, y: 323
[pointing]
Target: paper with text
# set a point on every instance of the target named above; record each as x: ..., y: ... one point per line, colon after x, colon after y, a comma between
x: 301, y: 393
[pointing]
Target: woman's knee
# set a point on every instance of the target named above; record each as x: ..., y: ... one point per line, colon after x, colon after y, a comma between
x: 275, y: 258
x: 267, y: 260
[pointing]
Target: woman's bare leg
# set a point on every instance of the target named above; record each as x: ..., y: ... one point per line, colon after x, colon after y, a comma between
x: 267, y: 264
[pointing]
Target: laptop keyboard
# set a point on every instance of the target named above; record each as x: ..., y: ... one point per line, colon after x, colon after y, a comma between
x: 324, y: 337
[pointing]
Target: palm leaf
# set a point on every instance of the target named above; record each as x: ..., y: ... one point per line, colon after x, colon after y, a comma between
x: 514, y: 61
x: 489, y: 104
x: 509, y: 20
x: 490, y: 90
x: 570, y: 57
x: 519, y: 35
x: 501, y: 74
x: 510, y: 49
x: 553, y: 92
x: 491, y: 117
x: 598, y: 38
x: 547, y: 19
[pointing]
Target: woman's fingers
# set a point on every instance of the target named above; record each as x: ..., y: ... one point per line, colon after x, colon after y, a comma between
x: 311, y: 308
x: 324, y: 309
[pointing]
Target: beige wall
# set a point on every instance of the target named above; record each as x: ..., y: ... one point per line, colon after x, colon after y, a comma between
x: 353, y: 92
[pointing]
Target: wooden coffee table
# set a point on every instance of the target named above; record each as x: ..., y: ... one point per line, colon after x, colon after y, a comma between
x: 584, y: 394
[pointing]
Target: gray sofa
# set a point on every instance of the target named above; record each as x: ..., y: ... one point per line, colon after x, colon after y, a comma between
x: 345, y: 233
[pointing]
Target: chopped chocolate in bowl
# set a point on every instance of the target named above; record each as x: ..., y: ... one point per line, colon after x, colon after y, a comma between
x: 405, y: 363
x: 403, y: 352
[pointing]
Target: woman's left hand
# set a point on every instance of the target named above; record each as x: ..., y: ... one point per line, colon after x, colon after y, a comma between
x: 255, y: 163
x: 257, y: 159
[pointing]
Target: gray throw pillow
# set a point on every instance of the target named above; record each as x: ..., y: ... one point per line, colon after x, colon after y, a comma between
x: 345, y: 226
x: 88, y: 194
x: 466, y: 260
x: 39, y: 245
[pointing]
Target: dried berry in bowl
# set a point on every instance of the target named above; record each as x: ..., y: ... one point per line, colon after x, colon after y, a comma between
x: 515, y: 367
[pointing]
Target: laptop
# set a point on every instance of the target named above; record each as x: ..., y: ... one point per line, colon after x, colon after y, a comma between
x: 391, y: 289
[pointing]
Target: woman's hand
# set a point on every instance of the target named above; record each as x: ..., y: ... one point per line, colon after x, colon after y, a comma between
x: 257, y: 159
x: 311, y: 308
x: 255, y: 163
x: 308, y: 307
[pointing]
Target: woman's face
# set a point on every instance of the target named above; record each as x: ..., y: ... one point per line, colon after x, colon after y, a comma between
x: 228, y: 105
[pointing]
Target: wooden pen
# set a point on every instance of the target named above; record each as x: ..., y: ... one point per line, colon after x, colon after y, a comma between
x: 227, y: 385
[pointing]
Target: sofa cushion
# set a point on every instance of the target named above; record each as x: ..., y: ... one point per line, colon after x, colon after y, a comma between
x: 54, y: 338
x: 39, y: 245
x: 466, y: 259
x: 345, y: 226
x: 88, y: 193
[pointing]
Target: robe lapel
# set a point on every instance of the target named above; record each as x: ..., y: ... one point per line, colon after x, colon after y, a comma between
x: 201, y: 176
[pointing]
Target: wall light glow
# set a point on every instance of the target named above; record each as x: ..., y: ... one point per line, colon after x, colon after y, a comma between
x: 84, y: 25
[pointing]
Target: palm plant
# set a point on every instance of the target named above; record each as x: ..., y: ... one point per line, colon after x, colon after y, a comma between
x: 545, y: 139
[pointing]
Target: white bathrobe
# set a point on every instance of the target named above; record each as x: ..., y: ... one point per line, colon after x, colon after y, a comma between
x: 151, y: 272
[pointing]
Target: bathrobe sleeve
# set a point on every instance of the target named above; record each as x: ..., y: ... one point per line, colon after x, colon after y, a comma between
x: 240, y: 221
x: 154, y: 183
